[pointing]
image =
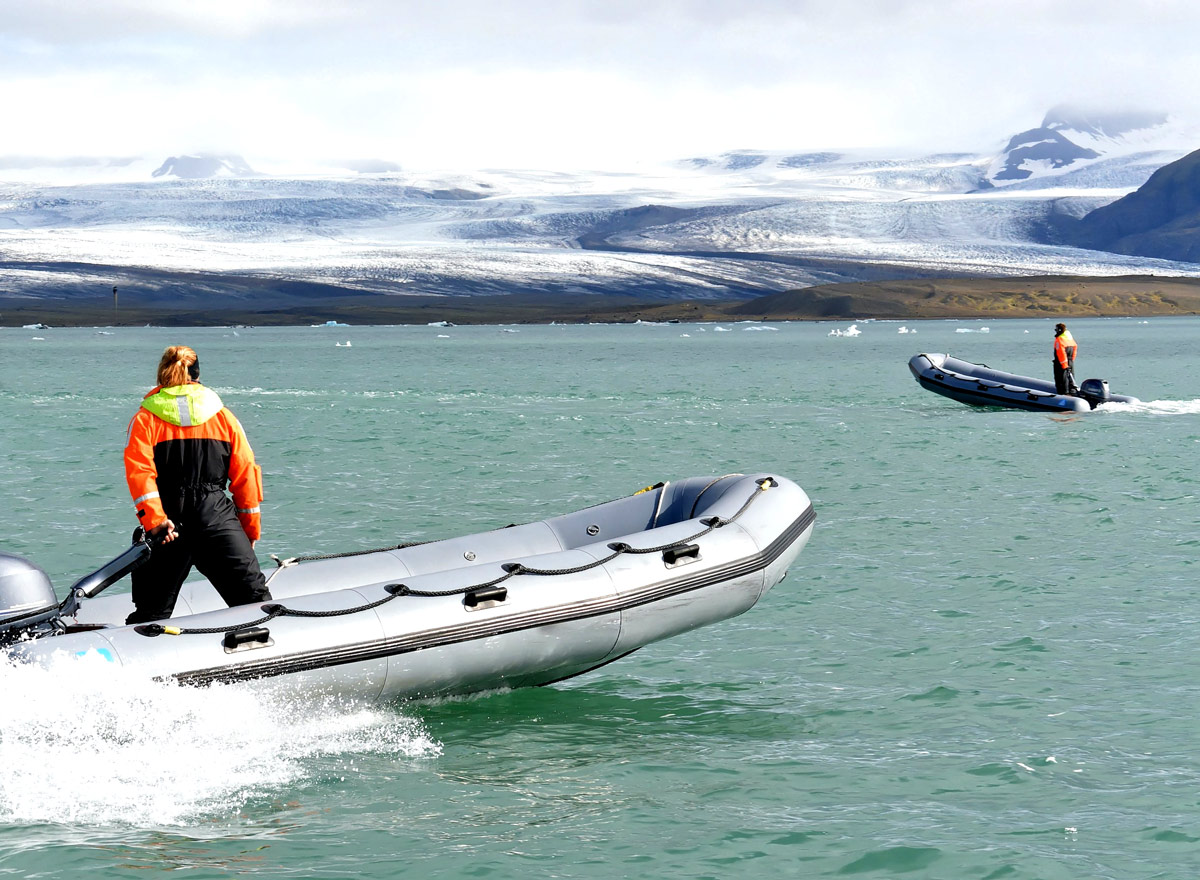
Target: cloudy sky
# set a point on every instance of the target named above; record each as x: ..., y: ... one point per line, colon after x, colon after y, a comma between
x: 572, y: 83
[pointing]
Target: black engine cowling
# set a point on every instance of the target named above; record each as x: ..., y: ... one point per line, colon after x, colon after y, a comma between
x: 1094, y: 391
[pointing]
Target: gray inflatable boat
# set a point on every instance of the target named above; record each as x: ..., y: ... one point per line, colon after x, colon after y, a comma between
x: 980, y: 385
x: 524, y: 605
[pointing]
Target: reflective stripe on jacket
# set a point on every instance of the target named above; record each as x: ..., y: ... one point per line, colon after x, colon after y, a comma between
x: 183, y: 439
x: 1065, y: 349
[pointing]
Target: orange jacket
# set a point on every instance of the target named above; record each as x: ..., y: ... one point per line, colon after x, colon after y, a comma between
x: 1065, y: 349
x: 183, y: 438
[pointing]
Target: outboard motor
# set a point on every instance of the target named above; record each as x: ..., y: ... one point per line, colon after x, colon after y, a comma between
x: 1094, y: 391
x: 28, y: 606
x: 27, y: 599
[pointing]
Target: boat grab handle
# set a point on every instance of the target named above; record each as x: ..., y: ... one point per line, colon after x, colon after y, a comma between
x: 246, y: 639
x: 681, y: 555
x: 485, y: 598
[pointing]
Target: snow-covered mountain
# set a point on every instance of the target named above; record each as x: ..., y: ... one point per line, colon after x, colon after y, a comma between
x: 195, y: 167
x: 1071, y: 138
x: 740, y: 224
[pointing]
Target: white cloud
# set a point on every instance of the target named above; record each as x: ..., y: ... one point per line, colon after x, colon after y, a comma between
x: 571, y: 82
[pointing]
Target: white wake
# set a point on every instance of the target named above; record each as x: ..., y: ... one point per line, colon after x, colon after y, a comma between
x: 1154, y: 407
x: 82, y: 745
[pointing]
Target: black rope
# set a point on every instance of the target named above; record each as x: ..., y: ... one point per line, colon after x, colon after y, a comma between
x: 511, y: 570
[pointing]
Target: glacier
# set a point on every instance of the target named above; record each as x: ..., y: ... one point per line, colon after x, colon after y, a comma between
x: 738, y: 225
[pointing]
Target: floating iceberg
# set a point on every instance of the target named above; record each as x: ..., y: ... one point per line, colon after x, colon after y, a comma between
x: 852, y: 330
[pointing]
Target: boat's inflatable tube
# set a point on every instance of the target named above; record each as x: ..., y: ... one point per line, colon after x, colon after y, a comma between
x: 523, y: 605
x: 980, y: 385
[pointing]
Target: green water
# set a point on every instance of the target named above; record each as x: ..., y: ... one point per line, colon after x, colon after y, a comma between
x: 982, y: 666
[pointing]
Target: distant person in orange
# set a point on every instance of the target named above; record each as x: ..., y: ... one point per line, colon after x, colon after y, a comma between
x: 184, y: 447
x: 1065, y: 350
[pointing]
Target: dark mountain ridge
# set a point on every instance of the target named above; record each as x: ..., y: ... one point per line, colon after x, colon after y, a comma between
x: 1160, y: 219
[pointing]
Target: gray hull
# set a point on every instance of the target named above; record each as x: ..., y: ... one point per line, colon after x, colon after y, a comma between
x: 455, y: 616
x: 980, y: 385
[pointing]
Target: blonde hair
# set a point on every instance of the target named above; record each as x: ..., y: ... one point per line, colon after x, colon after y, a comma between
x: 178, y: 366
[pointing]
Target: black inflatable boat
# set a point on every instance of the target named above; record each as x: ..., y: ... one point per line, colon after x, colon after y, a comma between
x: 980, y: 385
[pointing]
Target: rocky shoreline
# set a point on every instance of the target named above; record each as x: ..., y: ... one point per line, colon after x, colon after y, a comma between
x: 990, y: 298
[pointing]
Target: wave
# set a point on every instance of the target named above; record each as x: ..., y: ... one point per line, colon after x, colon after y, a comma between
x: 1154, y: 407
x: 81, y: 745
x: 269, y: 392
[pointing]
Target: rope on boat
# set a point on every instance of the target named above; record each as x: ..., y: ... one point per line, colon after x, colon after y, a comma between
x: 511, y: 570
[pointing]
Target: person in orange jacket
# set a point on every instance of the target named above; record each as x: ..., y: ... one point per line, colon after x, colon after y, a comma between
x: 184, y: 447
x: 1065, y: 350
